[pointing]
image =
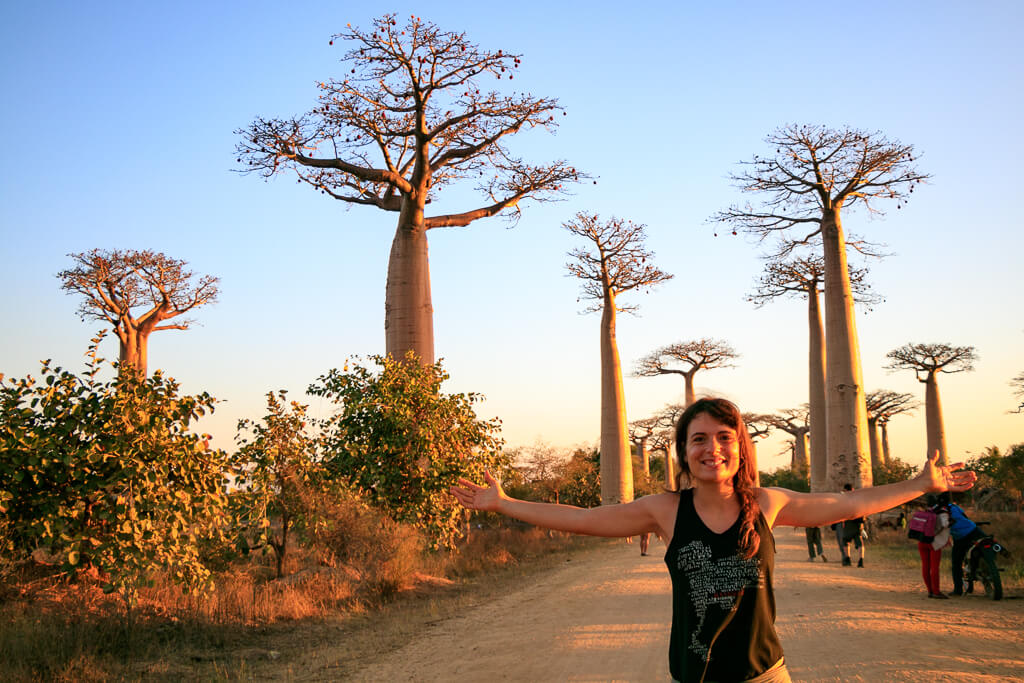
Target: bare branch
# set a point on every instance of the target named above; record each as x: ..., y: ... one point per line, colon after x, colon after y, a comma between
x: 683, y: 358
x: 932, y: 358
x: 815, y: 170
x: 617, y: 263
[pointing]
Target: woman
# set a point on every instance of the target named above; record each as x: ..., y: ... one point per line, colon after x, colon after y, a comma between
x: 930, y: 550
x: 720, y: 552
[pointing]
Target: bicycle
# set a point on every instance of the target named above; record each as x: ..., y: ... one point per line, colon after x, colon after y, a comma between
x: 980, y: 565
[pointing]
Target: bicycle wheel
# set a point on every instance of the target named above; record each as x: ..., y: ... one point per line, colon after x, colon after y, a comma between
x: 988, y: 572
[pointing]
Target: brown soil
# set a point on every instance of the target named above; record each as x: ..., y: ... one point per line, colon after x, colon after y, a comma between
x: 604, y: 616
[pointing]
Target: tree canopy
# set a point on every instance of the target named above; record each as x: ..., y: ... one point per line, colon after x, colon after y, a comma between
x: 136, y: 292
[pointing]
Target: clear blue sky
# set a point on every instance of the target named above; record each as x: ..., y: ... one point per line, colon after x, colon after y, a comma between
x: 119, y: 121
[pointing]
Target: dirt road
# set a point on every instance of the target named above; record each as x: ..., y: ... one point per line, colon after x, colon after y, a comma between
x: 605, y: 617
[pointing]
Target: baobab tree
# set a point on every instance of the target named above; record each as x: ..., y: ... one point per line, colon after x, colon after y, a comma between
x: 882, y: 405
x: 794, y: 421
x: 927, y: 361
x: 613, y: 263
x: 804, y: 277
x: 814, y: 174
x: 409, y: 118
x: 640, y: 432
x: 667, y: 419
x: 136, y: 292
x: 686, y: 359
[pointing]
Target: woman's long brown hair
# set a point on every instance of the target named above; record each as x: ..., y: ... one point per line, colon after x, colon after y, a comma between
x: 744, y: 480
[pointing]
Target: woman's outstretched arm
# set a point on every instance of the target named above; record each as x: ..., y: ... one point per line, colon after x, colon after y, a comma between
x: 791, y: 508
x: 627, y: 519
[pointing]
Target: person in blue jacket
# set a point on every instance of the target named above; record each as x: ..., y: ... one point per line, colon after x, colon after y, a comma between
x: 964, y: 533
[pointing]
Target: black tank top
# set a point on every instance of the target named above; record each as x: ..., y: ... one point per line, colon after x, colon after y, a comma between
x: 723, y: 608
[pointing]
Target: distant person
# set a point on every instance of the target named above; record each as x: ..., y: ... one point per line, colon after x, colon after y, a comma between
x: 853, y: 531
x: 645, y: 540
x: 930, y: 549
x: 964, y: 533
x: 840, y: 532
x: 721, y: 552
x: 813, y: 535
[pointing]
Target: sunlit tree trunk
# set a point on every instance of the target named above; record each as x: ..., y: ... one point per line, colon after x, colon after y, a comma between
x: 876, y: 452
x: 816, y: 397
x: 844, y: 393
x: 616, y: 468
x: 800, y: 462
x: 691, y: 395
x: 933, y: 419
x: 408, y: 311
x: 886, y: 455
x: 641, y: 451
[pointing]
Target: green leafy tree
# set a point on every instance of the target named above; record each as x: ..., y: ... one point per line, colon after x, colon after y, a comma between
x: 108, y: 475
x: 891, y: 471
x: 787, y: 477
x: 402, y: 442
x: 1004, y: 472
x: 582, y: 475
x: 278, y: 475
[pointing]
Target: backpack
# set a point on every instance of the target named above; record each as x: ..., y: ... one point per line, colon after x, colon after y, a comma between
x: 922, y: 525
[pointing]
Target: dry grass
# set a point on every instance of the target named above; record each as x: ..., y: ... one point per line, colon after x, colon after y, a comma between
x: 249, y: 618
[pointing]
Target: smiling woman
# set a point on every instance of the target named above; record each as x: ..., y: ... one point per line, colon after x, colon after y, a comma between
x: 721, y: 549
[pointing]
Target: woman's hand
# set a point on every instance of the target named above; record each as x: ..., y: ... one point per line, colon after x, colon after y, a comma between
x: 476, y: 497
x: 938, y: 478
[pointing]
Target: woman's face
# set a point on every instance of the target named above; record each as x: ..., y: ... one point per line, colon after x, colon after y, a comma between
x: 712, y: 450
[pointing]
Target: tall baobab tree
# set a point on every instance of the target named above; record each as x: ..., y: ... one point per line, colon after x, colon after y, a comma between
x: 137, y: 292
x: 927, y: 361
x: 410, y: 117
x: 686, y: 359
x: 614, y: 262
x: 814, y: 174
x: 804, y: 277
x: 640, y: 432
x: 882, y: 405
x: 794, y: 421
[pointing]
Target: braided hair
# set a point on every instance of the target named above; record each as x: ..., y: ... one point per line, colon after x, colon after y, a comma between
x: 743, y: 481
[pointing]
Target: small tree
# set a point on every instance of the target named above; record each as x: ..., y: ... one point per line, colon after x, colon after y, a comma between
x: 805, y: 278
x: 793, y: 421
x: 882, y: 405
x: 402, y: 442
x: 136, y: 292
x: 410, y: 118
x: 927, y: 361
x: 618, y: 263
x: 814, y: 174
x: 277, y: 475
x: 107, y: 474
x: 640, y: 432
x: 686, y: 359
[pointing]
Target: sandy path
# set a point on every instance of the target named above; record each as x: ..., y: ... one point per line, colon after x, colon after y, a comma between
x: 605, y: 617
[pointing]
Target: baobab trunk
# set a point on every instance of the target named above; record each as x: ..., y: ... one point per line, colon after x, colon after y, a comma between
x: 641, y: 451
x: 133, y: 350
x: 671, y: 470
x: 876, y: 452
x: 933, y: 419
x: 844, y: 391
x: 408, y: 312
x: 616, y: 468
x: 886, y: 456
x: 800, y: 462
x: 816, y: 394
x: 691, y: 396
